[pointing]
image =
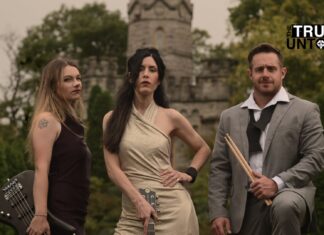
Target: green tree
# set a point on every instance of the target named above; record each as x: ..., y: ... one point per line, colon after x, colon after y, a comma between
x: 200, y: 46
x: 199, y: 194
x: 105, y: 204
x: 91, y: 31
x: 100, y: 102
x: 104, y: 207
x: 13, y: 125
x: 78, y: 33
x: 15, y: 101
x: 200, y: 49
x: 259, y: 21
x: 13, y: 159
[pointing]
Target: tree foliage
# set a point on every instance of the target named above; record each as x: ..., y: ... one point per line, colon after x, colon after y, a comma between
x: 91, y: 31
x: 268, y: 23
x: 15, y: 101
x: 78, y: 33
x: 199, y: 192
x: 104, y: 206
x: 100, y: 102
x: 200, y: 46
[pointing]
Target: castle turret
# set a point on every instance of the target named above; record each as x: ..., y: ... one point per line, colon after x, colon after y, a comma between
x: 166, y: 25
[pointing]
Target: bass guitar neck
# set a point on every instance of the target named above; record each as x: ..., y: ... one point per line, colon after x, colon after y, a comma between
x: 151, y: 198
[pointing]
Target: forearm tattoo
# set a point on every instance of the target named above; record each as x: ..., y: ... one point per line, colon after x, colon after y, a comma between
x: 42, y: 123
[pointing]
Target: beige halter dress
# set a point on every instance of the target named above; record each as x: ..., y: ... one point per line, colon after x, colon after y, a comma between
x: 144, y: 152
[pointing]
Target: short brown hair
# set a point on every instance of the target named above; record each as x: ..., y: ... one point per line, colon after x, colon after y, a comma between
x: 264, y: 48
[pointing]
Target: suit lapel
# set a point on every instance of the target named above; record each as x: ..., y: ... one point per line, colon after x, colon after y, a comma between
x: 277, y: 116
x: 244, y: 120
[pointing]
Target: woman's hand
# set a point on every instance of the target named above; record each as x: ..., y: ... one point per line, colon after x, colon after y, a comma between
x: 145, y: 212
x: 39, y: 226
x: 171, y: 177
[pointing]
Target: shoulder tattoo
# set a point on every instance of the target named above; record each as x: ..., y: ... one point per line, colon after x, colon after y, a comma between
x: 42, y: 123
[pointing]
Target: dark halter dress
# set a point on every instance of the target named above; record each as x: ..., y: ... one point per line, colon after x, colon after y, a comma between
x: 69, y: 177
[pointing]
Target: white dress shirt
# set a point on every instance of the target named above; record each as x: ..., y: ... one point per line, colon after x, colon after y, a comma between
x: 256, y: 159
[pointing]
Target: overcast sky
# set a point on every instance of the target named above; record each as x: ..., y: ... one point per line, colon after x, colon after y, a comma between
x: 19, y: 15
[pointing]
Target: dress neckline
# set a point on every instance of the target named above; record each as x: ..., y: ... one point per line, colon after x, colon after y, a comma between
x: 149, y: 113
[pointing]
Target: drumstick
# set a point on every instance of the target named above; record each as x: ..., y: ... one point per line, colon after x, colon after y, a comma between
x: 246, y: 167
x: 239, y: 156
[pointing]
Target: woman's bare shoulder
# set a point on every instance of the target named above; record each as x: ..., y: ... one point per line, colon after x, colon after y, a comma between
x: 106, y: 119
x: 45, y: 123
x: 44, y: 118
x: 172, y: 113
x: 107, y: 115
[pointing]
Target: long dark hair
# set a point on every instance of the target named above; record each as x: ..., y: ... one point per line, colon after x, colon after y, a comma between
x: 125, y: 96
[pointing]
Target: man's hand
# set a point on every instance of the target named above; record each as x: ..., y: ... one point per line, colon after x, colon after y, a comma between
x: 263, y: 187
x: 221, y: 226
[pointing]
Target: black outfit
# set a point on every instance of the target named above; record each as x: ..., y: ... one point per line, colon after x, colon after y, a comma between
x: 255, y: 129
x: 69, y: 177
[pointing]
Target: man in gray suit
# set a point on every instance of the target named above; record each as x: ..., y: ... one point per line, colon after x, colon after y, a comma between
x: 281, y: 137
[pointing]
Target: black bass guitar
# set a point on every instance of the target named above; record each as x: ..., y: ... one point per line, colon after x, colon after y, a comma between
x: 17, y: 204
x: 151, y: 198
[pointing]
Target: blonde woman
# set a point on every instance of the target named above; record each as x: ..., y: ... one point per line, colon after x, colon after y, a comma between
x: 61, y: 157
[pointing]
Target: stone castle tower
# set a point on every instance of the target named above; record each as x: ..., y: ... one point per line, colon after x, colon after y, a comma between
x: 166, y: 25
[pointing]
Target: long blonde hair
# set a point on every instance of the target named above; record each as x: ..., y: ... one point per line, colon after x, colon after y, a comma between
x: 48, y: 100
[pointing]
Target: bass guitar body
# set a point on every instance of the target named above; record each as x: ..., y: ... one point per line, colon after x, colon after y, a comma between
x: 17, y: 204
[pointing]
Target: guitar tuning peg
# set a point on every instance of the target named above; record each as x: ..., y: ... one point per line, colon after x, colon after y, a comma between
x: 8, y: 179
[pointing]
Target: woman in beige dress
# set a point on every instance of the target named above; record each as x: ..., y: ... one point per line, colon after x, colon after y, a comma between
x: 137, y: 150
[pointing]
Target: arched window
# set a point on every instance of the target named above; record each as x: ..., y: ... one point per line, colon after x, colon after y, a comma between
x: 159, y: 40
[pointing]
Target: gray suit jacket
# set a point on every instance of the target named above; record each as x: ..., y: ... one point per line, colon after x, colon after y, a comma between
x: 294, y: 151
